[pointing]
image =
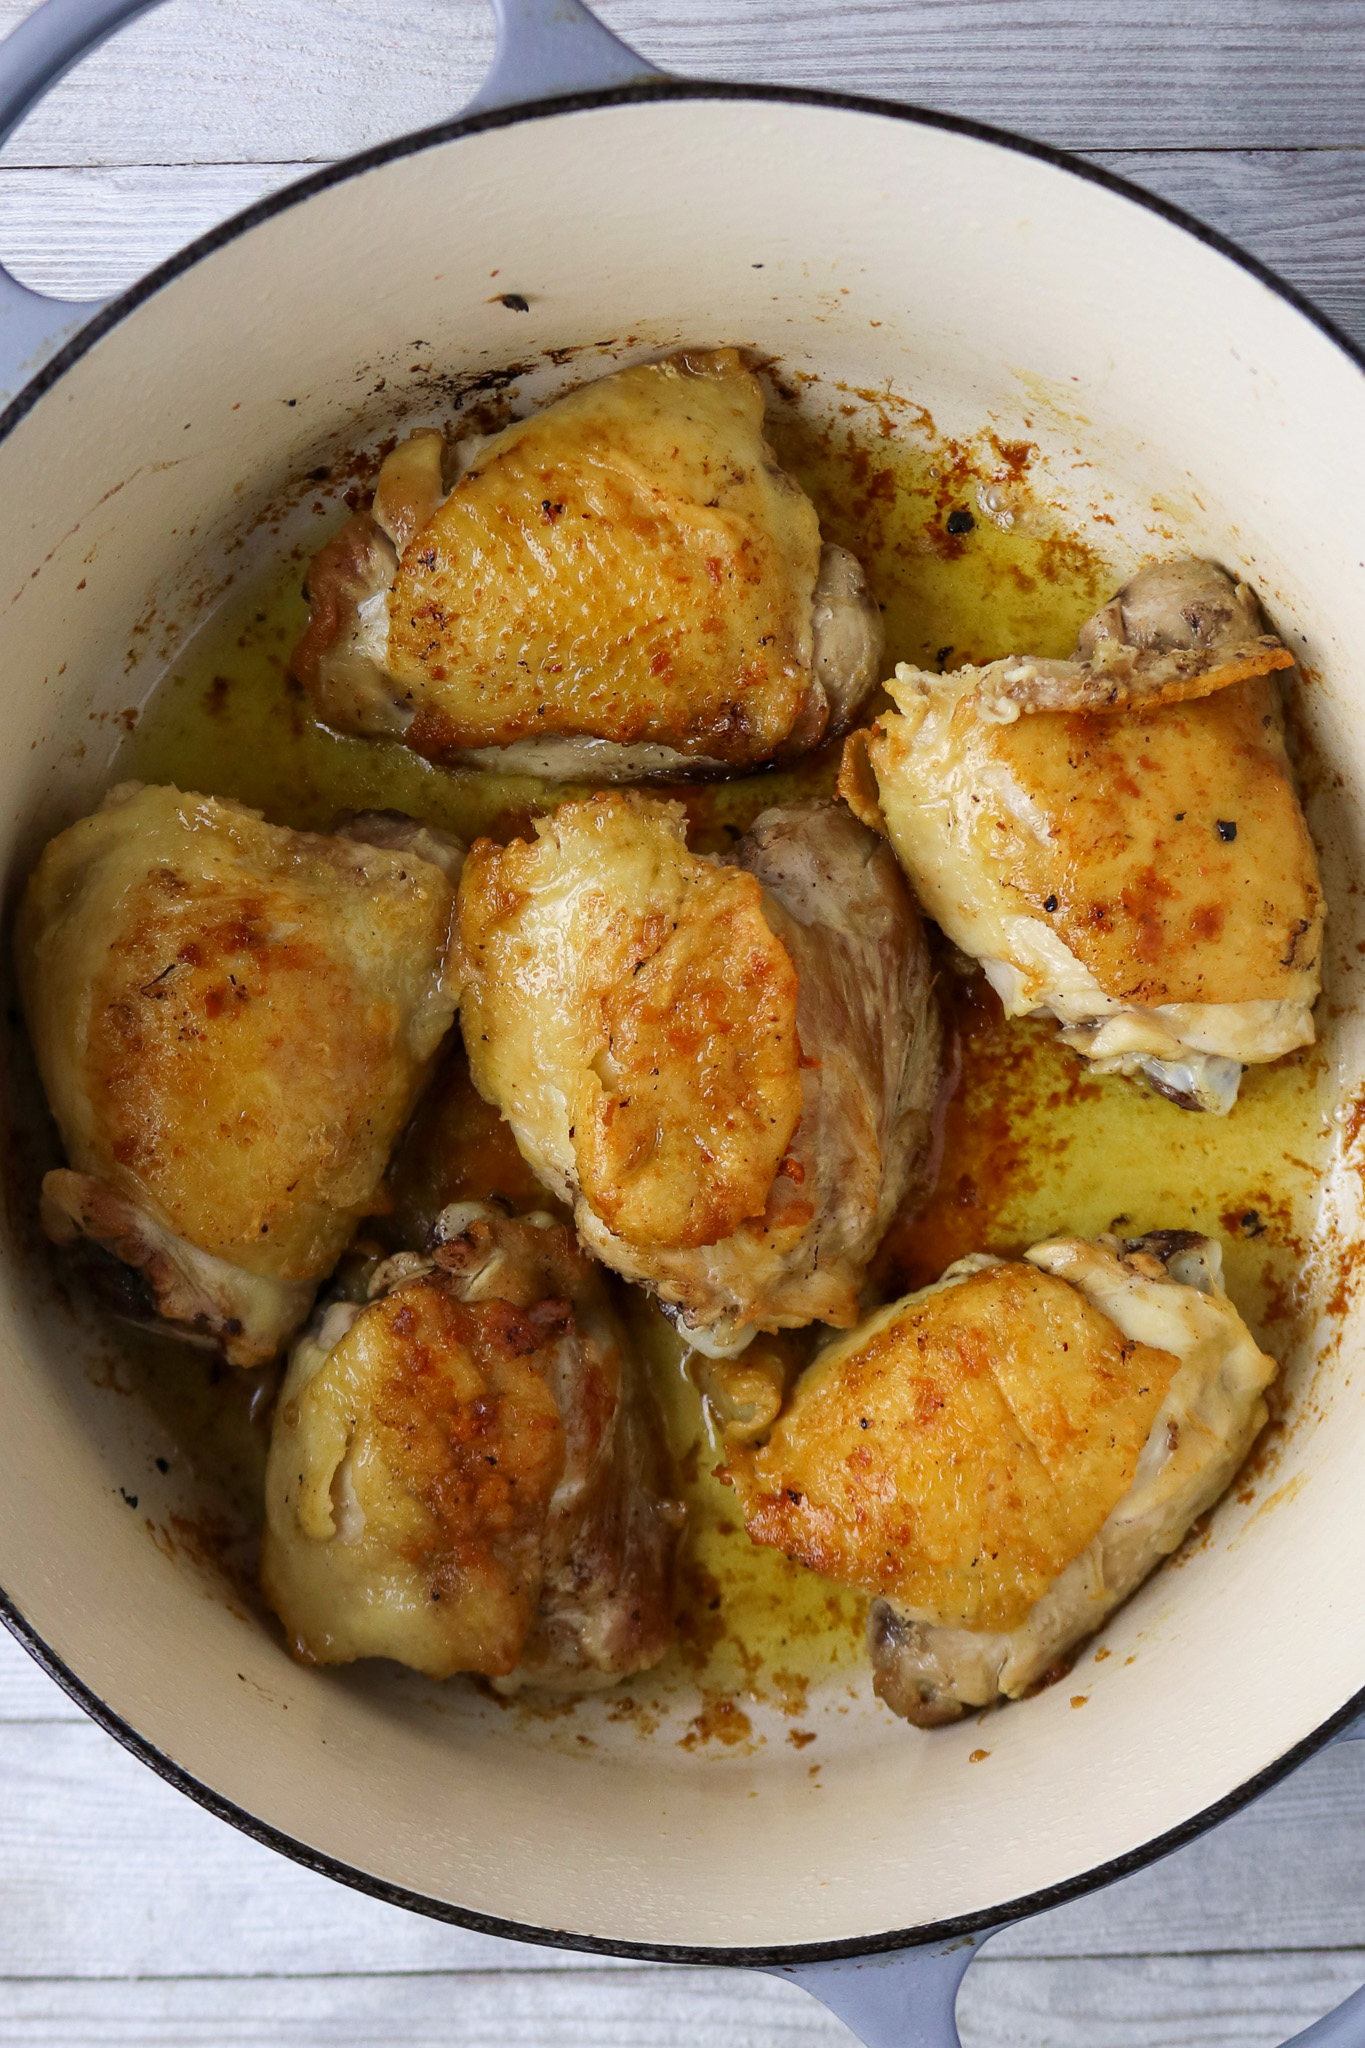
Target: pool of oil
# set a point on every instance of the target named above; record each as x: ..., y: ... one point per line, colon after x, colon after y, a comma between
x: 965, y: 567
x: 1033, y: 1144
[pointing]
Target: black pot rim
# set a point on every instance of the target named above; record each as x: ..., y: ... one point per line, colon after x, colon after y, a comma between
x: 772, y: 1957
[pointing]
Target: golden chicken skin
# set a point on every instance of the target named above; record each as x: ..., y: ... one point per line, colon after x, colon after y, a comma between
x: 626, y: 583
x: 1003, y: 1457
x: 232, y: 1022
x: 1117, y: 838
x: 466, y: 1471
x: 726, y: 1068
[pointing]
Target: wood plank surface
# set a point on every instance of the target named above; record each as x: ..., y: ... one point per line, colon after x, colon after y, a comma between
x: 1186, y: 2003
x: 230, y: 80
x: 129, y: 1916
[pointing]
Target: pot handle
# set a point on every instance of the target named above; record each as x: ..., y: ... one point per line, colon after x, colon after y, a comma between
x: 1344, y: 2027
x: 908, y: 1999
x: 902, y: 2000
x: 546, y: 49
x: 33, y: 57
x: 549, y: 48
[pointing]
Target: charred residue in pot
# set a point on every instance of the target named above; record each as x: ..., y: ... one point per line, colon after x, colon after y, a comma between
x: 966, y: 564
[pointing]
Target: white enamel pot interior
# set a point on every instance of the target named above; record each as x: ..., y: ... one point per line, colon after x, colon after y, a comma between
x: 993, y: 284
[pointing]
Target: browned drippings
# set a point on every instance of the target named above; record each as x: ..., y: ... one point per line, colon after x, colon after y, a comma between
x: 966, y: 568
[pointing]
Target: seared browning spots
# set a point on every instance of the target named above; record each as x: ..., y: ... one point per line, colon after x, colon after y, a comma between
x: 957, y: 1452
x: 232, y: 1022
x: 728, y: 1070
x: 630, y: 563
x: 1161, y: 1293
x: 249, y: 1031
x: 1164, y: 846
x: 1116, y: 832
x: 710, y: 1002
x: 467, y: 1475
x: 611, y: 1537
x: 1142, y: 868
x: 633, y: 995
x: 442, y: 1418
x: 469, y: 1420
x: 624, y: 583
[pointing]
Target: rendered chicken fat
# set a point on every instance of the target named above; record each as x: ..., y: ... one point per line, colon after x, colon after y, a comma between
x: 728, y: 1068
x: 1117, y: 839
x: 232, y: 1022
x: 465, y: 1471
x: 1004, y: 1456
x: 625, y: 583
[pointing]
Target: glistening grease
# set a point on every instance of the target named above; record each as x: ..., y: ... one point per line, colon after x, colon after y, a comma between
x: 966, y: 566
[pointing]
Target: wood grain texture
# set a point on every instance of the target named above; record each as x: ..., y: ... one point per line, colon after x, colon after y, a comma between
x: 1300, y: 211
x: 1186, y: 2002
x: 237, y: 81
x: 26, y: 1691
x: 127, y: 1915
x: 1153, y: 2002
x: 628, y: 2009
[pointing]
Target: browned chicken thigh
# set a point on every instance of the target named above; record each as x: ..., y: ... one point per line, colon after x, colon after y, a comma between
x: 232, y: 1022
x: 466, y: 1471
x: 625, y: 583
x: 1004, y: 1456
x: 727, y: 1067
x: 1117, y: 838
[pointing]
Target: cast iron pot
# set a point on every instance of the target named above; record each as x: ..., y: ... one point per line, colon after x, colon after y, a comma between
x: 1169, y: 382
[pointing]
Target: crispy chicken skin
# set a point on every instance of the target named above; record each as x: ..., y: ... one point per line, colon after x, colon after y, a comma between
x: 727, y: 1068
x: 625, y: 583
x: 634, y: 1016
x: 1003, y: 1457
x: 1117, y: 839
x: 232, y: 1022
x: 466, y: 1473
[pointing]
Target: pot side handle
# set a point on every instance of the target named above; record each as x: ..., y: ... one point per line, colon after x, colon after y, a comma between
x: 903, y: 2000
x: 546, y: 49
x: 1345, y: 2026
x: 908, y: 1999
x: 33, y: 57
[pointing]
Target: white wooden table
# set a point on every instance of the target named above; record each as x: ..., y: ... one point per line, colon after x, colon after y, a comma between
x: 127, y: 1915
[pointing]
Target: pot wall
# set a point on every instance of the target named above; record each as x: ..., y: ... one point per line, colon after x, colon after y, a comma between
x: 1169, y: 390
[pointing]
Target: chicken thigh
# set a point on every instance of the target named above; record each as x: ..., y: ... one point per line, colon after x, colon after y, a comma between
x: 232, y: 1022
x: 466, y: 1470
x: 1003, y: 1457
x: 728, y: 1068
x: 1117, y: 838
x: 625, y: 583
